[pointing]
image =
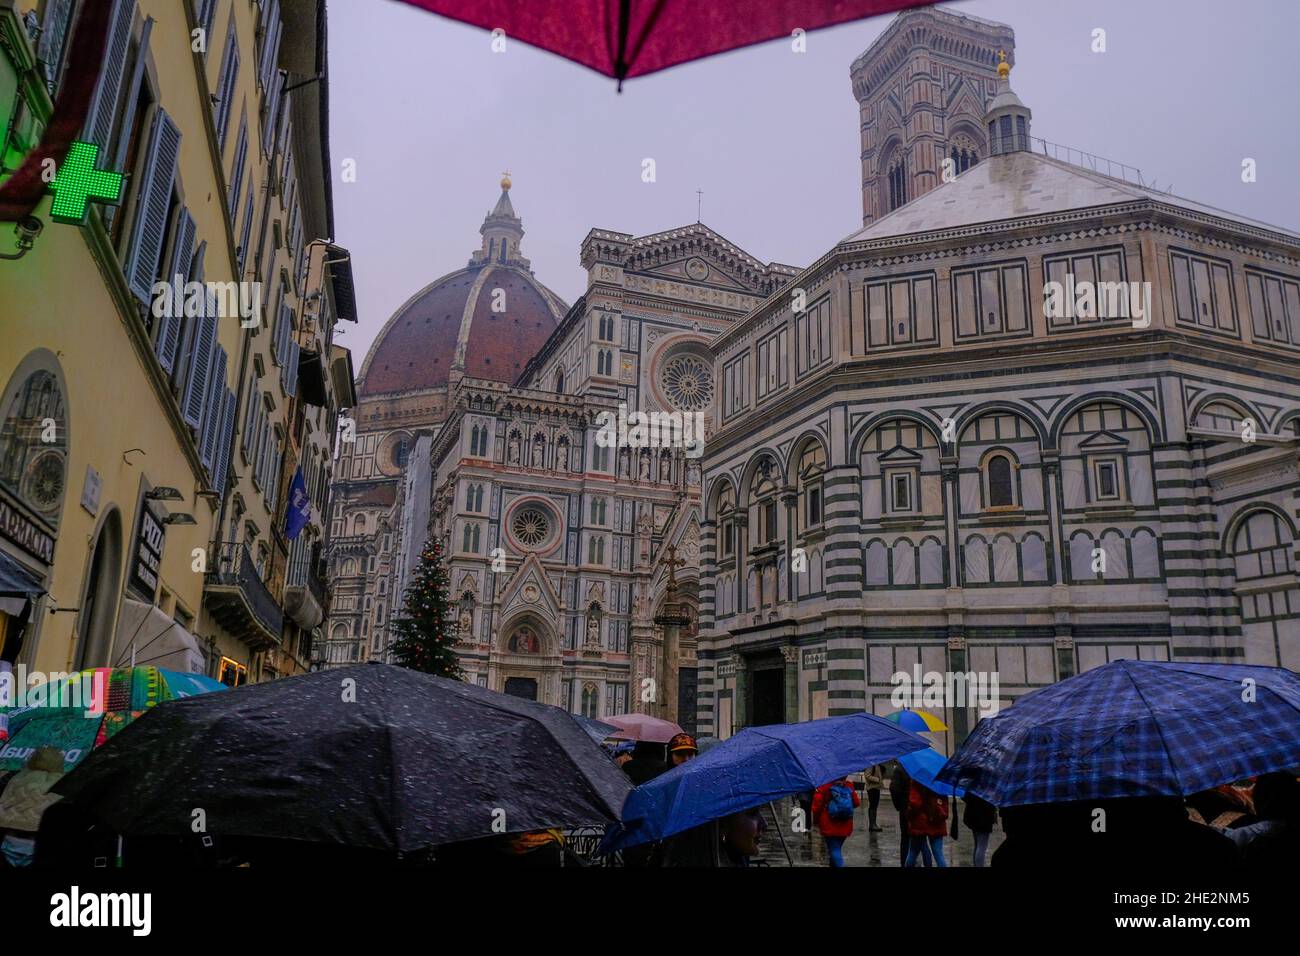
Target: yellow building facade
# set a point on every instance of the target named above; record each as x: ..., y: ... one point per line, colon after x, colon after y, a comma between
x: 142, y: 447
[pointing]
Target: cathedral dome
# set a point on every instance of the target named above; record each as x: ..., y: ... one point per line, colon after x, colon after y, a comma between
x: 484, y: 321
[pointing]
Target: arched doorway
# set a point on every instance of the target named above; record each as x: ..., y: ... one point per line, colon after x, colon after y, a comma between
x: 97, y: 618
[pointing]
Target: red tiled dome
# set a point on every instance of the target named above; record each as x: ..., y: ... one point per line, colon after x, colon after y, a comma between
x: 417, y: 349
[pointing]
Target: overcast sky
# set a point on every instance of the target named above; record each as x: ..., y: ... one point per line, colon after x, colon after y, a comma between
x: 1185, y: 91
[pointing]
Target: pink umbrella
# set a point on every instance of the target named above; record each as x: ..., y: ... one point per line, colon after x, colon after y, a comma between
x: 624, y: 38
x: 643, y: 727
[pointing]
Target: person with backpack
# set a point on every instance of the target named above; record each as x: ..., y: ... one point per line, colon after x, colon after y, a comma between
x: 833, y: 806
x: 927, y: 825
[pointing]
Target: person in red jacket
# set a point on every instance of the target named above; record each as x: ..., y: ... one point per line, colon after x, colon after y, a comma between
x: 927, y: 824
x: 832, y: 807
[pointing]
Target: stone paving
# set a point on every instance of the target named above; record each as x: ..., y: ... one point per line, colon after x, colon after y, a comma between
x: 864, y: 848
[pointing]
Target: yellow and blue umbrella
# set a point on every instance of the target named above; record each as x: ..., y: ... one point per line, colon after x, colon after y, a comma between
x: 921, y: 721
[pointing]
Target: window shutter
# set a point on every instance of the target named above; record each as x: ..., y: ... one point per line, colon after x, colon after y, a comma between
x: 103, y: 105
x: 284, y: 334
x: 153, y: 198
x: 273, y: 478
x: 226, y: 86
x: 213, y: 409
x: 223, y: 444
x: 247, y: 235
x: 270, y: 42
x: 54, y: 31
x: 271, y: 111
x: 206, y: 8
x: 291, y: 370
x: 169, y: 332
x: 250, y: 418
x: 237, y: 171
x: 263, y: 452
x: 196, y: 384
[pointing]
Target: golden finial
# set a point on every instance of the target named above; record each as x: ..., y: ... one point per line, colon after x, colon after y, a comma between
x: 505, y: 179
x: 1004, y: 68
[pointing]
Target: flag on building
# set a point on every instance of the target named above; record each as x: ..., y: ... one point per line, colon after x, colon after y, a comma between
x: 299, y: 506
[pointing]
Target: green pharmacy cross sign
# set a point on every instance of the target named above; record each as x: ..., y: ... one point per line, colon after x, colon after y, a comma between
x: 78, y: 182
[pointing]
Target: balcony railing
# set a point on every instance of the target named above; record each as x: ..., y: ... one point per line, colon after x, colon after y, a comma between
x: 238, y: 598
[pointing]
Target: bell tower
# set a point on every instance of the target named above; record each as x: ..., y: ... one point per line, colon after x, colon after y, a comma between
x: 923, y: 89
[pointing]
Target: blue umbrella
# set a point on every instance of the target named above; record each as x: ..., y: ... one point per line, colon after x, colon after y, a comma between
x: 754, y: 767
x: 924, y: 765
x: 1134, y: 729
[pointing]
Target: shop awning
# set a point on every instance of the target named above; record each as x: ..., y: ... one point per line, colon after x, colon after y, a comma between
x: 17, y: 586
x: 158, y: 641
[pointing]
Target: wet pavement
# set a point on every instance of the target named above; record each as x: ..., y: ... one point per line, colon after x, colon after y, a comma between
x: 864, y: 848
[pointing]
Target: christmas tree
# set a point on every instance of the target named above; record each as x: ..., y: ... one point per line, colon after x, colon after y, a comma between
x: 426, y: 630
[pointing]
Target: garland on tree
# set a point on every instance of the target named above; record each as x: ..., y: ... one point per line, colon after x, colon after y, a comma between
x: 426, y: 630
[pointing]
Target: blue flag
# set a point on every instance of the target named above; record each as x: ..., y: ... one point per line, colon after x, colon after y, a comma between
x: 299, y: 507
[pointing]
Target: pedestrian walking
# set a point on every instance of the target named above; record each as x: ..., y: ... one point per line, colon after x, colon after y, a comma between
x: 927, y: 824
x: 874, y: 780
x: 833, y: 805
x: 979, y: 817
x: 899, y: 787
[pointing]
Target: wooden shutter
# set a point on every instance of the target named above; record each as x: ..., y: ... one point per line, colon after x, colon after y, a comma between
x: 237, y: 171
x: 54, y: 33
x: 270, y: 42
x: 182, y: 251
x: 213, y: 408
x: 196, y: 383
x: 270, y: 111
x: 153, y: 198
x: 226, y: 86
x: 291, y: 369
x: 250, y: 418
x: 103, y: 105
x: 246, y: 236
x: 223, y: 444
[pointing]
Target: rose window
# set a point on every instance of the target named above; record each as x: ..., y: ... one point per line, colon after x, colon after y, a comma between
x: 531, y: 527
x: 688, y: 383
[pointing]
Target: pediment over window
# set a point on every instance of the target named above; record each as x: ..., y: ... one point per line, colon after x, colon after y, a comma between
x: 1103, y: 440
x: 900, y: 455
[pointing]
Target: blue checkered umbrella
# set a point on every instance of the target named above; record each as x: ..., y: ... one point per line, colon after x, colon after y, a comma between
x: 1134, y: 729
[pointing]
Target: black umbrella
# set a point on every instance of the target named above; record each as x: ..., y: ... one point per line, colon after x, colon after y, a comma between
x: 369, y: 756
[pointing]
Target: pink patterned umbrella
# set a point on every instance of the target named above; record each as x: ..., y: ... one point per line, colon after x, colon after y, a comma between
x: 643, y: 727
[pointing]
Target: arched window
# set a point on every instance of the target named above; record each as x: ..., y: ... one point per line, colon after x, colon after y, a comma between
x: 590, y: 700
x: 765, y: 497
x: 727, y: 522
x: 466, y: 538
x: 559, y: 382
x: 897, y: 184
x: 34, y: 442
x: 359, y: 524
x: 812, y: 464
x: 1000, y: 482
